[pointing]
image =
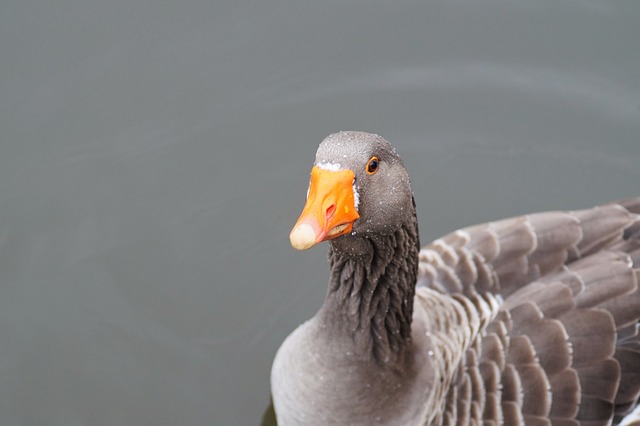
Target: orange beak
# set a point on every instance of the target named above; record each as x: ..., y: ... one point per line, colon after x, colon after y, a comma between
x: 329, y: 211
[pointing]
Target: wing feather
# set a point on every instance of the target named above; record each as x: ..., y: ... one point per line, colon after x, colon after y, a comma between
x: 563, y: 348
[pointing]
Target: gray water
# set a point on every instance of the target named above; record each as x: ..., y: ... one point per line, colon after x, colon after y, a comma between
x: 155, y: 154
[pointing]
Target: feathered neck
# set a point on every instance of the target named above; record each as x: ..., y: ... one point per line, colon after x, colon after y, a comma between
x: 370, y: 296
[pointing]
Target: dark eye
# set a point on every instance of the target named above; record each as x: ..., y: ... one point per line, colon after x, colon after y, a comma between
x: 372, y: 165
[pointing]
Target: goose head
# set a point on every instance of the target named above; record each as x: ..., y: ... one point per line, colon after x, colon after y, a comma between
x: 359, y: 189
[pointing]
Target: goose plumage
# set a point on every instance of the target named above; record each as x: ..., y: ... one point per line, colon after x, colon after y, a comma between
x: 530, y: 320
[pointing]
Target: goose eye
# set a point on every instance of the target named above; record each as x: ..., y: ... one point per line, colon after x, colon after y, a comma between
x: 372, y: 165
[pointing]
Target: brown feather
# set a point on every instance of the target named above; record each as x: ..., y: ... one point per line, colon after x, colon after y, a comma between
x: 511, y: 385
x: 595, y: 412
x: 511, y: 413
x: 565, y: 388
x: 553, y: 299
x: 629, y: 389
x: 537, y: 398
x: 592, y: 334
x: 601, y: 224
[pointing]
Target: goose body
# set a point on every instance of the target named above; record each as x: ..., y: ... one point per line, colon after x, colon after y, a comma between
x: 525, y: 321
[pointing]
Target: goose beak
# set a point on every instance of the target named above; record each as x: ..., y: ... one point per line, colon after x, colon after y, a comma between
x: 329, y: 211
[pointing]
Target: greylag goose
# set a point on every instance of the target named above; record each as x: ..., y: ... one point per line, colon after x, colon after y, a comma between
x: 531, y: 320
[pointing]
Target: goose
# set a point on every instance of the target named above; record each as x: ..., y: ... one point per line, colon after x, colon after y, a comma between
x: 531, y: 320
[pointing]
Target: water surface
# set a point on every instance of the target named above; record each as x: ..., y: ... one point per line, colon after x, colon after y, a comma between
x: 154, y: 156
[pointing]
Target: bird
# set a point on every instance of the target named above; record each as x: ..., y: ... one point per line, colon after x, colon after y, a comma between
x: 531, y: 320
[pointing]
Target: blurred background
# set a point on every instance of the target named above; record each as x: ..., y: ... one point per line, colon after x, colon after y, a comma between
x: 155, y: 154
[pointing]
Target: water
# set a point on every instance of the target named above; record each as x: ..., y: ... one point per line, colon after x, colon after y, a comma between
x: 154, y: 156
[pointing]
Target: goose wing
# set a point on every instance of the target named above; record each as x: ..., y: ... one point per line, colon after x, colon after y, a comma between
x: 563, y: 348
